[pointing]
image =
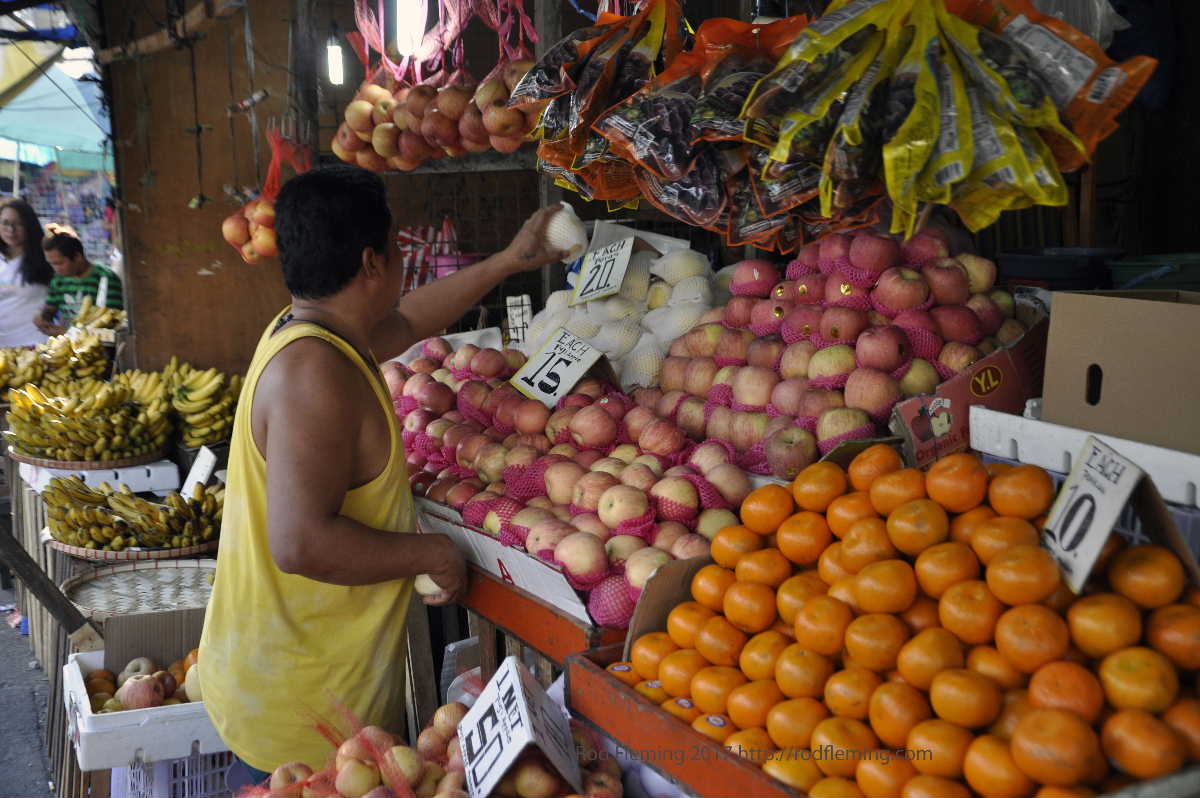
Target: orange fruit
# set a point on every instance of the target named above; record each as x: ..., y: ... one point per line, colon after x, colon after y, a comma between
x: 925, y: 786
x: 817, y: 486
x: 711, y: 686
x: 758, y: 658
x: 848, y: 692
x: 965, y: 697
x: 1024, y: 491
x: 962, y: 527
x: 1016, y: 706
x: 685, y: 621
x: 624, y: 673
x: 715, y: 727
x: 992, y: 664
x: 1142, y: 745
x: 790, y: 723
x: 753, y: 745
x: 1104, y: 622
x: 1061, y: 599
x: 921, y: 615
x: 938, y: 567
x: 677, y: 669
x: 883, y: 776
x: 847, y: 739
x: 1149, y: 576
x: 766, y: 567
x: 803, y: 536
x: 793, y: 767
x: 1054, y: 746
x: 709, y: 586
x: 764, y: 509
x: 835, y: 787
x: 874, y: 641
x: 796, y: 590
x: 994, y: 535
x: 1023, y: 575
x: 943, y: 746
x: 652, y: 690
x: 1067, y: 685
x: 958, y: 482
x: 1184, y: 717
x: 821, y: 623
x: 886, y: 586
x: 1031, y: 635
x: 648, y: 652
x: 917, y: 525
x: 846, y: 509
x: 1071, y: 791
x: 801, y: 673
x: 872, y: 463
x: 1191, y: 596
x: 829, y: 566
x: 1175, y: 631
x: 720, y: 641
x: 750, y: 606
x: 996, y: 469
x: 843, y: 590
x: 970, y: 610
x: 990, y: 770
x: 866, y: 542
x: 682, y: 708
x: 191, y: 659
x: 732, y: 543
x: 928, y: 654
x: 1139, y: 678
x: 749, y: 704
x: 895, y: 709
x: 896, y: 488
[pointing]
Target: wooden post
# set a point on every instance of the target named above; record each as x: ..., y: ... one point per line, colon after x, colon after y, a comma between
x: 547, y: 18
x: 304, y: 66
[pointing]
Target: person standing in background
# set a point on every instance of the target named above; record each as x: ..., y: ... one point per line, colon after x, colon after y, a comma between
x: 24, y: 274
x: 75, y: 279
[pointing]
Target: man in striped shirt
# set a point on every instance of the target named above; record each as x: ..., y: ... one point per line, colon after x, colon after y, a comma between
x: 74, y: 280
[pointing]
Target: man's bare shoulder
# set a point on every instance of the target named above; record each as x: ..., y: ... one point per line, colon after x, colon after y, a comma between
x: 315, y: 372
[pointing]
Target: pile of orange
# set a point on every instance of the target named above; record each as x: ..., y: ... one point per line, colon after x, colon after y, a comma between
x: 908, y: 626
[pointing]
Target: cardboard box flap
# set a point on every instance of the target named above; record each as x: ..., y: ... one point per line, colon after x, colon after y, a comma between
x: 660, y: 595
x: 162, y: 636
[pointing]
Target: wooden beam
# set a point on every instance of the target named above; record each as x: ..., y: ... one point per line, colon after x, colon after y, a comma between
x: 195, y: 21
x: 51, y: 597
x: 304, y: 77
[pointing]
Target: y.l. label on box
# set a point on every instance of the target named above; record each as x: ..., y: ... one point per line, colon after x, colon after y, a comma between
x: 554, y: 369
x: 512, y: 713
x: 603, y: 271
x: 1087, y: 508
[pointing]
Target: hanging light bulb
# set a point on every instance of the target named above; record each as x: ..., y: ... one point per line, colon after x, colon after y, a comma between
x: 333, y: 54
x: 410, y: 25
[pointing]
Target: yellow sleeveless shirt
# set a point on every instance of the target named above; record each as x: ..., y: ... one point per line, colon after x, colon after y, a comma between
x: 281, y: 651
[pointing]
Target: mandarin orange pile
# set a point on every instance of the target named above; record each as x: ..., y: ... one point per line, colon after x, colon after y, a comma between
x: 882, y: 608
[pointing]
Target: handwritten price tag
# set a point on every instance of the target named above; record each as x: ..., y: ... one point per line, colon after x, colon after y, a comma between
x: 554, y: 369
x: 201, y: 470
x: 603, y: 271
x: 1087, y: 507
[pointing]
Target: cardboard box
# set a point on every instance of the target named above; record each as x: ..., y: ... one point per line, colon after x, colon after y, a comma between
x: 938, y: 424
x: 116, y: 739
x: 1126, y: 363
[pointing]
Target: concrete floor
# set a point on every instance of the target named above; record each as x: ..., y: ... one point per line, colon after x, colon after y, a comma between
x: 24, y: 769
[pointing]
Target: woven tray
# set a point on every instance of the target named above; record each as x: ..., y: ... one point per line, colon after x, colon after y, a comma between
x: 131, y: 555
x: 137, y: 587
x: 86, y: 465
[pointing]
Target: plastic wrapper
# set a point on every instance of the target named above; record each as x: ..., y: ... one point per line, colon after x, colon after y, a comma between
x: 953, y: 154
x: 696, y: 198
x: 747, y: 223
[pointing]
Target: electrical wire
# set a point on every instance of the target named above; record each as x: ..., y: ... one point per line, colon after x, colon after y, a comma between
x: 63, y: 91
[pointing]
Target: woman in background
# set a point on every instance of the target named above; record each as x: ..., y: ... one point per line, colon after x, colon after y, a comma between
x: 24, y: 274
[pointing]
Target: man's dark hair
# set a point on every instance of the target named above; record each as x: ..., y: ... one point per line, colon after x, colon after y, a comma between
x: 60, y: 238
x: 324, y: 219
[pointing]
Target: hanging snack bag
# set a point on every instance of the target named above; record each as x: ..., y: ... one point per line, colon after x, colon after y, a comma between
x: 552, y: 75
x: 1000, y: 177
x: 912, y: 121
x: 953, y: 153
x: 1088, y: 88
x: 697, y: 198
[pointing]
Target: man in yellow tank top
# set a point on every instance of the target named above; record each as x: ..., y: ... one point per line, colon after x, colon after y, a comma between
x: 313, y: 580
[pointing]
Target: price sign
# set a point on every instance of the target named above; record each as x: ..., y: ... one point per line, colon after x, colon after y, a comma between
x: 554, y: 369
x: 102, y: 292
x: 1087, y: 507
x: 603, y: 271
x: 201, y: 471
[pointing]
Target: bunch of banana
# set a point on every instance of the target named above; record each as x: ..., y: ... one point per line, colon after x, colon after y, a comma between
x: 204, y: 400
x: 104, y: 518
x: 94, y: 317
x: 20, y: 367
x: 147, y: 386
x: 94, y: 421
x: 72, y: 356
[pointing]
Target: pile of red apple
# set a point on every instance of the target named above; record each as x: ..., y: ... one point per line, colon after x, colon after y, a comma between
x: 251, y: 230
x: 407, y: 126
x: 791, y: 367
x: 604, y: 485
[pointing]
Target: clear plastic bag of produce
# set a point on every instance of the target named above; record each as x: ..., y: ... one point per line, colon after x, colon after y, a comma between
x: 1089, y: 89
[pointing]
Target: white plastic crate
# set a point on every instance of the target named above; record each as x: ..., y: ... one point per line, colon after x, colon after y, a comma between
x: 195, y: 776
x: 116, y: 739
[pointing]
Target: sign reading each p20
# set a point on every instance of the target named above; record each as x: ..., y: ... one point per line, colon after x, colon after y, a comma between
x: 603, y: 271
x: 554, y: 369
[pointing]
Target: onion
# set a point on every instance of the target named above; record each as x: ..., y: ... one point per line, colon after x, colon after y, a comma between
x: 566, y: 233
x: 358, y: 115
